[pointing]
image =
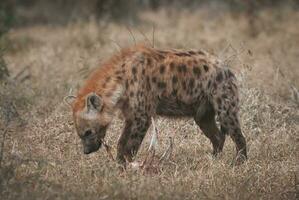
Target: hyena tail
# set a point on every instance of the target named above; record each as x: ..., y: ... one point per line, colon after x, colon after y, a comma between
x: 225, y: 101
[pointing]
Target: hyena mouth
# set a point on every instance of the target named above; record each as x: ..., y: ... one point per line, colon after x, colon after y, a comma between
x: 89, y: 147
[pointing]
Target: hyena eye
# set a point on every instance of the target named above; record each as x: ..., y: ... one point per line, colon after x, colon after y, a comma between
x: 87, y: 133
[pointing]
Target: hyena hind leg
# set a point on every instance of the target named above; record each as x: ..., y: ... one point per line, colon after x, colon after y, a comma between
x: 230, y: 125
x: 205, y: 119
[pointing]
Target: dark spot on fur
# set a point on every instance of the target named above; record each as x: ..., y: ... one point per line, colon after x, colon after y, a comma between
x: 149, y: 61
x: 131, y: 94
x: 119, y: 78
x: 237, y: 130
x: 232, y: 92
x: 182, y: 68
x: 209, y: 83
x: 134, y: 136
x: 143, y: 71
x: 224, y: 96
x: 214, y: 85
x: 154, y: 79
x: 184, y: 85
x: 200, y: 52
x: 162, y: 52
x: 162, y: 69
x: 148, y: 107
x: 206, y: 68
x: 218, y: 101
x: 172, y: 66
x: 132, y: 82
x: 174, y: 79
x: 161, y: 85
x: 134, y: 70
x: 174, y: 92
x: 127, y: 83
x: 161, y: 56
x: 233, y: 104
x: 182, y: 54
x: 219, y: 77
x: 123, y: 65
x: 200, y: 86
x: 191, y: 83
x: 227, y: 112
x: 224, y: 129
x: 191, y: 52
x: 109, y: 94
x: 232, y: 123
x: 148, y: 84
x: 196, y: 71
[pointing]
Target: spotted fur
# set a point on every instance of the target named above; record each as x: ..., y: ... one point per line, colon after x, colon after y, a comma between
x: 143, y: 82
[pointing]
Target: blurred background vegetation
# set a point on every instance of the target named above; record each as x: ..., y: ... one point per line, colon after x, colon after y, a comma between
x: 22, y: 12
x: 16, y: 13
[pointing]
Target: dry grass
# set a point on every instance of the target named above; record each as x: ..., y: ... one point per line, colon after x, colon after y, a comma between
x: 43, y: 157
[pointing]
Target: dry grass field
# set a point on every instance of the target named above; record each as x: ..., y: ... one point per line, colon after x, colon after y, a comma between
x: 42, y: 155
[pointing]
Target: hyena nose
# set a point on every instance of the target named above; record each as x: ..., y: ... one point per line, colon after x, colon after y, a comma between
x: 87, y: 133
x: 90, y: 146
x: 87, y: 151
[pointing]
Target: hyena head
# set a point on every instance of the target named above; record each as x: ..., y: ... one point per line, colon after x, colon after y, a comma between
x: 91, y: 122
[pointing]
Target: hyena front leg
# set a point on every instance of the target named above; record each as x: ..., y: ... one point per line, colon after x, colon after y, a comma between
x: 131, y: 138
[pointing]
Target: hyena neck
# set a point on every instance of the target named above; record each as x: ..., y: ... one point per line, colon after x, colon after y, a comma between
x: 113, y: 97
x: 107, y: 81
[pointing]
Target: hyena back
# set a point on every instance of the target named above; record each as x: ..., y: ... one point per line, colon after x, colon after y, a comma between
x: 143, y: 82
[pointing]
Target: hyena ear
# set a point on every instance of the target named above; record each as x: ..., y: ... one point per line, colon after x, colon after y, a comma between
x: 69, y: 100
x: 94, y: 102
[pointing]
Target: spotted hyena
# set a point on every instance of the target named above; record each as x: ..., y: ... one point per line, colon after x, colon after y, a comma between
x: 143, y: 82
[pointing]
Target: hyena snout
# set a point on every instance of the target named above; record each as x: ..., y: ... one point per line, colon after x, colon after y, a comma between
x: 91, y: 143
x: 90, y: 146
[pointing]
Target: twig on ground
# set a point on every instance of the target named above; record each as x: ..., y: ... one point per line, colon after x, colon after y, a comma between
x: 168, y: 153
x: 20, y: 75
x: 152, y: 147
x: 154, y: 140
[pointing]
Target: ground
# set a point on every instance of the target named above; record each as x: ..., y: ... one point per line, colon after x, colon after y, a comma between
x: 43, y: 156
